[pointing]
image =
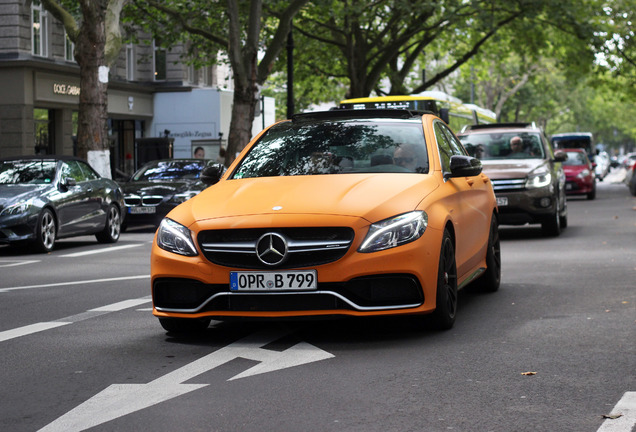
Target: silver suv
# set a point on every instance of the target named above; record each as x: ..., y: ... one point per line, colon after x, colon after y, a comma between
x: 526, y: 174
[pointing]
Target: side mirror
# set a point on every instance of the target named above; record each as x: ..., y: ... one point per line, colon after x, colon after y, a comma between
x: 560, y: 156
x: 211, y: 174
x: 68, y: 182
x: 463, y: 166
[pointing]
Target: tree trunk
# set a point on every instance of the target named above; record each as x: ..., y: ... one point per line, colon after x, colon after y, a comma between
x: 243, y: 108
x: 92, y: 133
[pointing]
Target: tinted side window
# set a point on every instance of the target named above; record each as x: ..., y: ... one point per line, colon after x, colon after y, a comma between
x: 444, y: 146
x: 455, y: 144
x: 89, y: 173
x: 72, y: 169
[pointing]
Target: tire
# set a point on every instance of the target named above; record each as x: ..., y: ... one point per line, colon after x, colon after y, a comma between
x: 491, y: 279
x: 184, y: 325
x: 563, y: 220
x: 443, y: 318
x: 45, y: 232
x: 551, y: 226
x: 591, y: 195
x: 112, y: 229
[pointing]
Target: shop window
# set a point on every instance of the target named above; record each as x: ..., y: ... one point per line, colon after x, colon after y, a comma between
x: 43, y: 133
x: 159, y: 63
x: 39, y: 38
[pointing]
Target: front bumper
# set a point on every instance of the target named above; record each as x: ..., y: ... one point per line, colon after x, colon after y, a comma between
x: 526, y: 206
x: 17, y: 228
x: 401, y: 280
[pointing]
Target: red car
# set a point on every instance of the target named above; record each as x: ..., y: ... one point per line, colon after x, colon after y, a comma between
x: 580, y: 178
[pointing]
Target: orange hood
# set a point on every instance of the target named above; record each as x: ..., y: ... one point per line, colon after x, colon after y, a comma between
x: 369, y: 196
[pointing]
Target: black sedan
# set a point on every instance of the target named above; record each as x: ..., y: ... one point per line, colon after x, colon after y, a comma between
x: 45, y: 198
x: 159, y: 186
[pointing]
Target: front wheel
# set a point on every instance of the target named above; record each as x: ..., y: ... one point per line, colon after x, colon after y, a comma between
x: 551, y: 226
x: 491, y: 279
x: 112, y: 229
x: 46, y: 231
x: 446, y: 303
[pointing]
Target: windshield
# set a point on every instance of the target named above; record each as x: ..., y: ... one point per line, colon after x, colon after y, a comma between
x: 575, y: 159
x: 170, y: 170
x: 27, y: 171
x: 510, y: 145
x: 335, y: 147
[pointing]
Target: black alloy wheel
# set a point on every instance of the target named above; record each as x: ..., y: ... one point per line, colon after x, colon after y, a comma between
x: 446, y: 303
x: 491, y: 279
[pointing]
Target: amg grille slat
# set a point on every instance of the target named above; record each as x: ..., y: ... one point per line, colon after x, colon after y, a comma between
x: 306, y: 246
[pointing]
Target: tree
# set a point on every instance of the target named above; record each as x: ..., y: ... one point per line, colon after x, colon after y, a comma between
x: 94, y: 29
x: 385, y: 38
x: 244, y: 30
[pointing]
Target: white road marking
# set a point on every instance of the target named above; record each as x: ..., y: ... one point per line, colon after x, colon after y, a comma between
x: 119, y: 400
x: 121, y: 305
x: 626, y: 410
x: 30, y: 329
x: 92, y: 313
x: 91, y: 281
x: 13, y: 263
x: 96, y: 251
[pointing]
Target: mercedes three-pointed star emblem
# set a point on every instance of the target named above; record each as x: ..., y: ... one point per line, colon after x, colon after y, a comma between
x: 271, y: 249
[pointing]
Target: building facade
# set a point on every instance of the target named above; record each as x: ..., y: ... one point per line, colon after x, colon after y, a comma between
x: 39, y: 93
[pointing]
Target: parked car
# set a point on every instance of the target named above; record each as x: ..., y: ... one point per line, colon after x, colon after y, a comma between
x: 45, y: 198
x: 629, y: 160
x: 344, y: 212
x: 527, y: 176
x: 580, y: 178
x: 602, y: 162
x: 158, y: 187
x: 630, y: 178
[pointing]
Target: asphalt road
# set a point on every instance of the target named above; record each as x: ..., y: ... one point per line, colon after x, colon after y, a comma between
x: 553, y: 350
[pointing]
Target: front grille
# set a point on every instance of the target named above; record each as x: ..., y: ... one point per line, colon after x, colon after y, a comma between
x: 143, y: 200
x: 307, y: 247
x: 502, y: 185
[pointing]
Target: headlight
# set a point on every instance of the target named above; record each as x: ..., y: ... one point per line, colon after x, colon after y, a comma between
x: 583, y: 174
x: 395, y: 231
x: 539, y: 180
x: 17, y: 208
x: 175, y: 238
x: 183, y: 197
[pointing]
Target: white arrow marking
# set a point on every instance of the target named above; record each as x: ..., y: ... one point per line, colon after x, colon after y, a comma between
x: 121, y: 399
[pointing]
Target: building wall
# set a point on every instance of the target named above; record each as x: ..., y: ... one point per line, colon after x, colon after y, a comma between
x: 29, y: 82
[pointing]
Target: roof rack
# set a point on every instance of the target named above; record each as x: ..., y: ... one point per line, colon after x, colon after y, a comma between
x: 358, y: 113
x: 499, y: 125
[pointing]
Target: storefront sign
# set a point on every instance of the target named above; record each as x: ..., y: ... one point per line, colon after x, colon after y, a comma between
x: 66, y: 89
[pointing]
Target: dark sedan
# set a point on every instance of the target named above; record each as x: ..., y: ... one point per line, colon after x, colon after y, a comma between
x: 45, y: 198
x: 159, y: 186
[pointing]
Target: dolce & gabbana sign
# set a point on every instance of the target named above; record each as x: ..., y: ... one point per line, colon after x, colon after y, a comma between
x: 66, y: 89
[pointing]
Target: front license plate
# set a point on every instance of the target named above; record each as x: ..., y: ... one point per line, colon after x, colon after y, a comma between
x: 274, y: 281
x: 502, y: 201
x: 142, y: 210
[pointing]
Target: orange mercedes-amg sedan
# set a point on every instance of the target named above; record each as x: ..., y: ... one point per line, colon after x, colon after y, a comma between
x: 342, y: 212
